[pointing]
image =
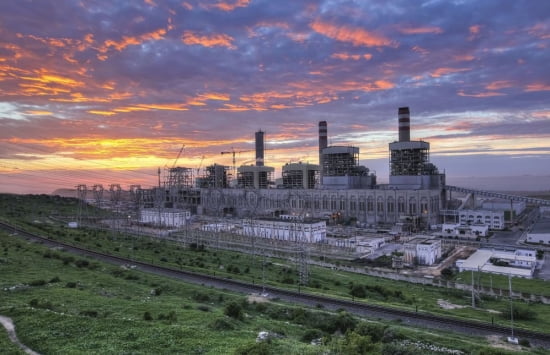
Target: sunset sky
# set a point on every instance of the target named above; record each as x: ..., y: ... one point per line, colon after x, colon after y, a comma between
x: 109, y: 91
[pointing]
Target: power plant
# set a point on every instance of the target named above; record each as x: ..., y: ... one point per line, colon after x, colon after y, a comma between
x: 337, y: 188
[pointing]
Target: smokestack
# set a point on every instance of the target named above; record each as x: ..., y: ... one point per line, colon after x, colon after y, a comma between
x: 259, y: 148
x: 322, y: 135
x: 404, y: 124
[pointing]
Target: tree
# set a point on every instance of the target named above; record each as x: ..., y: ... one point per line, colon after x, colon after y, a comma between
x: 234, y: 310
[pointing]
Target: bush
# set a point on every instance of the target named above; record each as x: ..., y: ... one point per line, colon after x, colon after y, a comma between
x: 520, y: 313
x: 524, y: 342
x: 70, y: 284
x: 311, y: 334
x: 203, y: 307
x: 89, y: 313
x: 234, y: 310
x: 261, y: 348
x: 200, y: 297
x: 55, y: 279
x: 37, y: 283
x: 358, y: 291
x: 147, y: 316
x: 82, y: 263
x: 221, y: 324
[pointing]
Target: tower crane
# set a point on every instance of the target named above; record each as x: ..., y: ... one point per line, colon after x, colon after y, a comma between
x: 234, y: 152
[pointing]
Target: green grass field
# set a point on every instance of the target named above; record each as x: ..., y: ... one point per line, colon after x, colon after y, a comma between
x: 67, y: 304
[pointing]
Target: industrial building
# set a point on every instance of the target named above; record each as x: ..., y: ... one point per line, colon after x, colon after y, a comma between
x: 519, y: 262
x: 540, y: 232
x: 300, y: 176
x: 458, y: 230
x: 492, y: 219
x: 256, y: 176
x: 421, y: 251
x: 410, y: 166
x: 289, y: 229
x: 164, y: 217
x: 341, y: 190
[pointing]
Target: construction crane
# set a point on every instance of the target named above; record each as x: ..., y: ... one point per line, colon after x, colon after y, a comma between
x: 179, y: 154
x: 234, y: 152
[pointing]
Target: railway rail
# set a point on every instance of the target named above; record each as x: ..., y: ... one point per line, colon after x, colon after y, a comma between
x: 415, y: 318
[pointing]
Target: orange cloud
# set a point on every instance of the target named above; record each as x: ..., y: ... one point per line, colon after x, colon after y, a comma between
x: 474, y: 31
x: 215, y: 40
x: 132, y: 40
x: 347, y: 56
x: 445, y: 71
x: 537, y: 87
x: 102, y: 113
x: 497, y: 85
x: 480, y: 95
x: 464, y: 57
x: 421, y: 30
x: 356, y: 36
x: 540, y: 30
x: 38, y: 113
x: 150, y: 107
x: 226, y: 6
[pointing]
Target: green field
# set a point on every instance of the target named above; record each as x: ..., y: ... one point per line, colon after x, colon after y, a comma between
x: 66, y: 304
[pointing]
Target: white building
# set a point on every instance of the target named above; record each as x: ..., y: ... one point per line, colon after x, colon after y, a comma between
x: 422, y: 250
x: 464, y: 231
x: 520, y: 262
x: 286, y: 229
x: 540, y: 233
x: 493, y: 219
x: 164, y: 217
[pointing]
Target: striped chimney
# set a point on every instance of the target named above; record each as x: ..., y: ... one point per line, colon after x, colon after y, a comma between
x: 404, y: 124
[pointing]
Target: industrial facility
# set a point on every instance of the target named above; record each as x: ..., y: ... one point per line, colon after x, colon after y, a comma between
x: 338, y: 190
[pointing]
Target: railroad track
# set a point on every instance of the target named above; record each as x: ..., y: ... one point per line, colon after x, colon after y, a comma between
x: 413, y: 318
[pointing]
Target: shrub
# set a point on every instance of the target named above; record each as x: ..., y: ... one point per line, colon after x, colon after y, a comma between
x: 233, y: 310
x: 37, y: 283
x: 89, y: 313
x: 221, y: 324
x: 147, y: 316
x: 200, y: 297
x: 203, y: 307
x: 358, y: 291
x: 82, y: 263
x: 311, y: 334
x: 70, y: 284
x: 524, y: 342
x: 261, y: 348
x: 55, y: 279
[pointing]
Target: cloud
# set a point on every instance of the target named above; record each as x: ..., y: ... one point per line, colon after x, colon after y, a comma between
x: 354, y: 35
x: 421, y: 30
x: 229, y: 6
x: 214, y: 40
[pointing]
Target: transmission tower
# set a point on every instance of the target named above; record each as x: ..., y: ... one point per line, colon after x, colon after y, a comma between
x: 98, y: 195
x: 115, y: 198
x: 81, y: 190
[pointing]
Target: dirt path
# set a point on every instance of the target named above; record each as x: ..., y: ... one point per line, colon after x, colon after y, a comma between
x: 10, y: 328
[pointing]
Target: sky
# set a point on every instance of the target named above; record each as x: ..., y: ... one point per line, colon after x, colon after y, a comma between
x: 107, y: 92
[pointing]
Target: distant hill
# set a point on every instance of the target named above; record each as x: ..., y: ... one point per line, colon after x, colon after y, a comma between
x: 65, y: 193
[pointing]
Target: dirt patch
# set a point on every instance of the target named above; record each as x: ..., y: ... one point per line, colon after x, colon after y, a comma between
x: 448, y: 305
x: 256, y: 298
x: 497, y: 341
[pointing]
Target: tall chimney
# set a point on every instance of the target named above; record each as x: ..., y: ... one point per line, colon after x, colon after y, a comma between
x: 404, y: 124
x: 323, y: 143
x: 322, y: 136
x: 260, y: 148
